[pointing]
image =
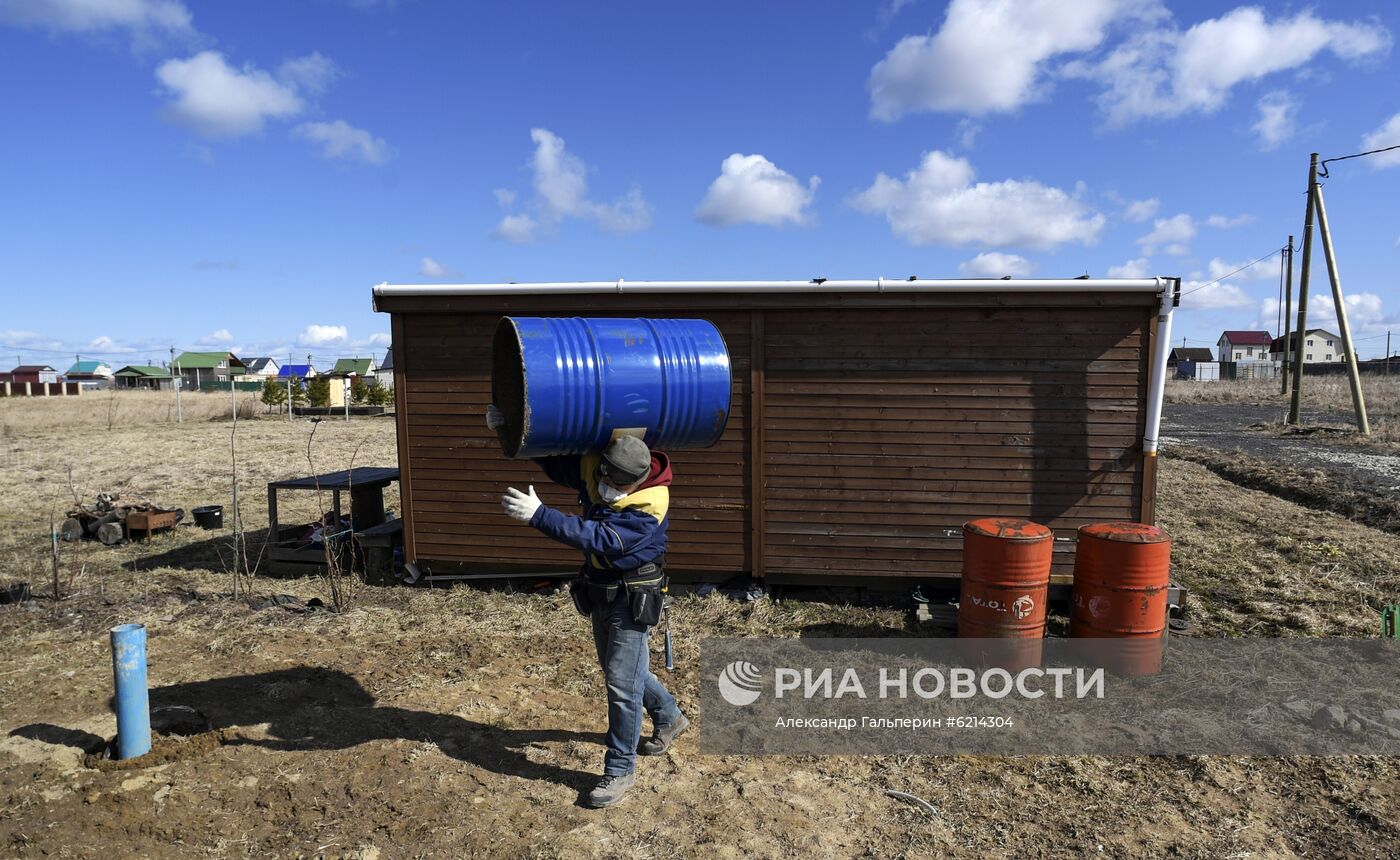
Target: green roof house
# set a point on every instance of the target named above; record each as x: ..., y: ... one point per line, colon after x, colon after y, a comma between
x: 195, y: 368
x: 89, y: 371
x: 361, y: 367
x: 144, y: 376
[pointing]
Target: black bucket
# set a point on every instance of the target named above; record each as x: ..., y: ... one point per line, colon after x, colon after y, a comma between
x: 209, y: 516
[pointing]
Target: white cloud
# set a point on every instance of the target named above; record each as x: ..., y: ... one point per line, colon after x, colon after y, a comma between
x: 1228, y: 222
x: 105, y: 345
x: 379, y: 339
x: 312, y: 73
x: 1278, y: 112
x: 430, y: 268
x: 938, y: 202
x: 1170, y: 235
x: 518, y: 229
x: 750, y: 189
x: 1137, y: 268
x: 1387, y: 135
x: 1165, y: 72
x: 223, y: 335
x: 1138, y: 211
x: 144, y: 19
x: 216, y: 100
x: 1366, y: 317
x: 1221, y: 296
x: 989, y: 56
x: 505, y: 197
x: 994, y: 264
x: 561, y: 192
x: 967, y: 132
x: 1261, y: 271
x: 339, y: 139
x: 323, y: 335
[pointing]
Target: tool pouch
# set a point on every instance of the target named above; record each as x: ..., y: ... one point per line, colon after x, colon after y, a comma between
x: 644, y: 593
x: 578, y: 590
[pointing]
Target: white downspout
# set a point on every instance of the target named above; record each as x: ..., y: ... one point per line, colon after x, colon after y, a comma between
x: 1157, y: 373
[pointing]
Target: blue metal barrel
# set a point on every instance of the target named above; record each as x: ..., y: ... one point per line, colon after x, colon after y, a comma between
x: 566, y: 385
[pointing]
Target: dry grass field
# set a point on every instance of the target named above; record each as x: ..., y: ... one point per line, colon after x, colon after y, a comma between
x: 464, y: 722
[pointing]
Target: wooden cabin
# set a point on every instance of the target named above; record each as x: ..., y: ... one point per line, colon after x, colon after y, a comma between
x: 869, y: 421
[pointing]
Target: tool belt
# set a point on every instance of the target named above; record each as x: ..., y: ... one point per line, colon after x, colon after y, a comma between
x: 645, y: 588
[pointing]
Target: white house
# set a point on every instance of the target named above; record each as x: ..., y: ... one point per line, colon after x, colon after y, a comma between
x: 261, y: 367
x: 1244, y: 346
x: 1319, y: 345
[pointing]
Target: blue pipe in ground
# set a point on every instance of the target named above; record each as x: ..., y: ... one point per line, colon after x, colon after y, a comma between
x: 133, y: 705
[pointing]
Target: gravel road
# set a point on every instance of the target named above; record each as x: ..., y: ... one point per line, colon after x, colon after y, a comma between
x: 1229, y: 428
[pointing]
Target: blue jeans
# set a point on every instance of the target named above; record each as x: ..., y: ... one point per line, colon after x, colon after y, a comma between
x: 632, y: 688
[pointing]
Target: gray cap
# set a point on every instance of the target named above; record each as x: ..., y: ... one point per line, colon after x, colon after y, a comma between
x: 626, y: 461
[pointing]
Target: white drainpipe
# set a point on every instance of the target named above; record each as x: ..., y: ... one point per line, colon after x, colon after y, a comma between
x: 1157, y: 373
x: 1165, y: 288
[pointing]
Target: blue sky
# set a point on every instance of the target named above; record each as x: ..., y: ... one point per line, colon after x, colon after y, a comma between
x: 210, y: 175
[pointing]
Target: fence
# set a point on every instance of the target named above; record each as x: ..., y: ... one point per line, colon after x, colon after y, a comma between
x: 40, y: 389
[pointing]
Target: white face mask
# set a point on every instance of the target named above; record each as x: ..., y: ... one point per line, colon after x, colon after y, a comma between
x: 608, y: 494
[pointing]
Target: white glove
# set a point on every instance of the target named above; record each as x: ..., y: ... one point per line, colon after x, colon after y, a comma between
x: 495, y: 418
x: 519, y: 506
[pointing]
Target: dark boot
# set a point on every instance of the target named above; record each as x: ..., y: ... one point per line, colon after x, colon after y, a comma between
x: 610, y: 789
x: 661, y: 739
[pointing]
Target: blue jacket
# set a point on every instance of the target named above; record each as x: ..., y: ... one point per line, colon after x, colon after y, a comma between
x: 617, y: 537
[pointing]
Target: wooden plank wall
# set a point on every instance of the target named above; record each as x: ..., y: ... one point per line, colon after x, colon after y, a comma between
x: 878, y: 431
x: 457, y: 471
x: 884, y: 431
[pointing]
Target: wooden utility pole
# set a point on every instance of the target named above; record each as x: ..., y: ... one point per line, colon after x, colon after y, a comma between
x: 1288, y: 310
x: 1387, y: 353
x: 1304, y: 276
x: 1358, y: 397
x: 179, y: 383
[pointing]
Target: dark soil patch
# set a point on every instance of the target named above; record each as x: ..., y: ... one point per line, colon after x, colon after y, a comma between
x: 1317, y: 489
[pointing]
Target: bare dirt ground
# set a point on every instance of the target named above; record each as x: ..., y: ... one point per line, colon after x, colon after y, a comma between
x: 432, y: 723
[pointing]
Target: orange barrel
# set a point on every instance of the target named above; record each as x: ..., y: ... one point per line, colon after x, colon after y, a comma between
x: 1005, y: 576
x: 1121, y: 575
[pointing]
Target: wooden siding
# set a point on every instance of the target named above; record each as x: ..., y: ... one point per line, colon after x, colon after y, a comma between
x: 443, y: 384
x: 863, y: 432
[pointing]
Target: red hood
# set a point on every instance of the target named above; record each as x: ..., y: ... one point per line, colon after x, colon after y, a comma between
x: 660, y: 474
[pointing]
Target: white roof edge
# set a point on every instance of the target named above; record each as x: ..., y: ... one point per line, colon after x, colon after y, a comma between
x: 879, y: 285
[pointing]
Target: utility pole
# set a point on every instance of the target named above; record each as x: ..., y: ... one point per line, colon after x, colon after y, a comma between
x: 1387, y: 353
x: 1358, y: 397
x: 289, y: 386
x: 1296, y: 405
x: 179, y: 383
x: 1288, y: 310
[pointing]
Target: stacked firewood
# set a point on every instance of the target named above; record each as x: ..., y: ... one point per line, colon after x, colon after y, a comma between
x: 105, y: 519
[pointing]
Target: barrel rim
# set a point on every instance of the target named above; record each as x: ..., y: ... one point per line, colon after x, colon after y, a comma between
x: 1126, y: 532
x: 979, y: 527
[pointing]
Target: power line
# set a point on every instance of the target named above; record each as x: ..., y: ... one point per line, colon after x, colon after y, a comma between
x: 1322, y: 166
x: 1231, y: 274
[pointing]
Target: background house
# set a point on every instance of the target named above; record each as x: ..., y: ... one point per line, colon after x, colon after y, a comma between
x: 1183, y: 361
x: 1319, y: 345
x: 361, y: 367
x: 1244, y: 345
x: 90, y: 374
x: 296, y: 371
x: 261, y: 367
x: 34, y: 373
x: 385, y: 373
x: 147, y: 376
x: 197, y: 368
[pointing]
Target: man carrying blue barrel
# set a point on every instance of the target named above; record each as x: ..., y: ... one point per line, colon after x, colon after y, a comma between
x: 624, y: 493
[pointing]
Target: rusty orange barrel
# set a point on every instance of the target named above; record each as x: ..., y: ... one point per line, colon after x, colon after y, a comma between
x: 1005, y: 577
x: 1121, y: 575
